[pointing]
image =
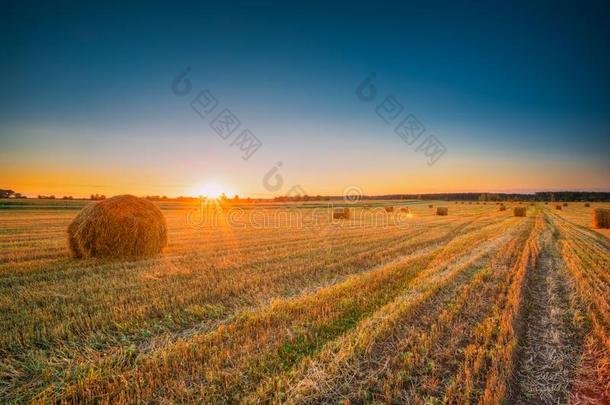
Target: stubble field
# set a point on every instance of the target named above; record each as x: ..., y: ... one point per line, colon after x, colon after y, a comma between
x: 475, y: 307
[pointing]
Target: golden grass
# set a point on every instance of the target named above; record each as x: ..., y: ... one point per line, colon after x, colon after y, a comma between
x: 348, y: 311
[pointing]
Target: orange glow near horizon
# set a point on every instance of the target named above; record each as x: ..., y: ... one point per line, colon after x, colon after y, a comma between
x: 41, y: 160
x: 81, y: 179
x: 211, y: 190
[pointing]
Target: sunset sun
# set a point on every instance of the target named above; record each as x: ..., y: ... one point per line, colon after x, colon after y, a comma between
x: 211, y: 189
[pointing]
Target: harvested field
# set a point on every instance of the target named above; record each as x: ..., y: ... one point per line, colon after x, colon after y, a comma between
x: 477, y: 306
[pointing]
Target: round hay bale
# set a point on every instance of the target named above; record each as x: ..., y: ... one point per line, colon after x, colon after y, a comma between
x: 502, y: 207
x: 519, y: 211
x: 558, y: 207
x: 430, y: 206
x: 601, y: 218
x: 342, y: 213
x: 587, y: 205
x: 121, y: 226
x: 565, y: 204
x: 442, y: 210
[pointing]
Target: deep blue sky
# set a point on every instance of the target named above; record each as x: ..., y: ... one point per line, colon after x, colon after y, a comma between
x: 518, y: 93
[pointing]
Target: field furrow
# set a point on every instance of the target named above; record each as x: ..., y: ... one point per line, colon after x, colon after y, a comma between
x: 552, y: 342
x: 391, y: 344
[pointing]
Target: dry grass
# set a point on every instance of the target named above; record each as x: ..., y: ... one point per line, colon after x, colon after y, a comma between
x: 454, y: 309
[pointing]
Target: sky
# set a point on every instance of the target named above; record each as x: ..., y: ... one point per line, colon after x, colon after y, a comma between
x: 505, y: 97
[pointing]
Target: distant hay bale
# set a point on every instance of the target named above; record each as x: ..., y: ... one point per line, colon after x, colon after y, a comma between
x: 430, y: 206
x: 342, y: 213
x: 587, y: 205
x: 546, y: 203
x: 121, y: 226
x: 565, y: 204
x: 558, y: 207
x: 502, y: 208
x: 442, y: 211
x: 389, y: 209
x: 601, y: 218
x: 404, y: 209
x: 519, y: 211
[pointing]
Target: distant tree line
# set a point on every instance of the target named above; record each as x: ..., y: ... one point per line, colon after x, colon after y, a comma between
x: 10, y: 194
x: 538, y: 196
x: 592, y: 196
